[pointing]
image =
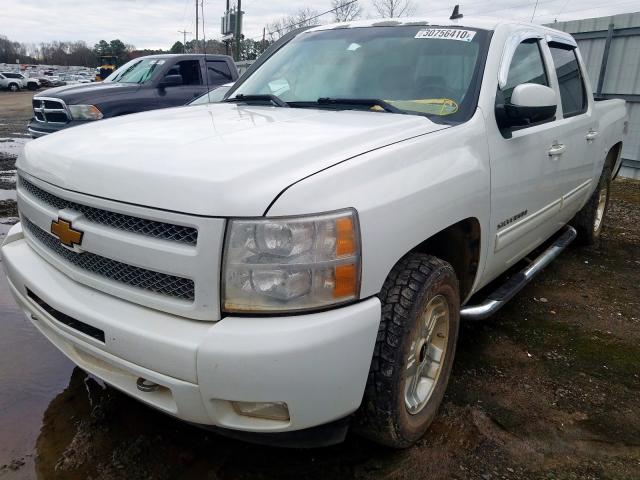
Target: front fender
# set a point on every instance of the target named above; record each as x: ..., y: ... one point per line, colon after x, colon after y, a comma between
x: 404, y: 194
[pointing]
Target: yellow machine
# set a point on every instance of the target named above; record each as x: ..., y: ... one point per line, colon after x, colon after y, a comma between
x: 106, y: 68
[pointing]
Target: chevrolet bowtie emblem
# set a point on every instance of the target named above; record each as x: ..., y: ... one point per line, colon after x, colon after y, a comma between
x: 65, y: 233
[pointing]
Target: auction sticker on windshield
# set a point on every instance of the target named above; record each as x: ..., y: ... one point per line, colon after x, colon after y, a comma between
x: 447, y: 34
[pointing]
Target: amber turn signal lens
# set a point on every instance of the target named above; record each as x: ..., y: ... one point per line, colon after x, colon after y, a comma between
x: 345, y: 237
x: 346, y: 281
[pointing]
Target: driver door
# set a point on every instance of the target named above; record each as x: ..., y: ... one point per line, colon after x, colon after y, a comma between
x: 192, y: 84
x: 524, y: 200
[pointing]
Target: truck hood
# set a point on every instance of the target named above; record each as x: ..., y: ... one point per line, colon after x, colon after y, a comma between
x: 88, y: 92
x: 215, y: 160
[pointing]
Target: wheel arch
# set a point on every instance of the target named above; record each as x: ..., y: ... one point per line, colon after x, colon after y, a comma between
x: 459, y: 245
x: 613, y: 159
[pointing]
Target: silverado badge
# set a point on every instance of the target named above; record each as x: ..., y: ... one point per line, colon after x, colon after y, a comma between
x: 65, y: 233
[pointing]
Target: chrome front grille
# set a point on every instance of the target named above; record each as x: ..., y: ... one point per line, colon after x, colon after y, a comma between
x: 50, y: 110
x: 156, y: 282
x: 150, y: 228
x: 164, y: 260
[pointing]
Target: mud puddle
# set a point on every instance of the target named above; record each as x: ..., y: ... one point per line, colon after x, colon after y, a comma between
x: 10, y: 148
x: 32, y: 371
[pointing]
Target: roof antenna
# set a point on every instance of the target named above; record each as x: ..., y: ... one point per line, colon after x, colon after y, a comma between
x: 456, y: 13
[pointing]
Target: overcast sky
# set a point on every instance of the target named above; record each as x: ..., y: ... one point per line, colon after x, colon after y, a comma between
x: 155, y: 23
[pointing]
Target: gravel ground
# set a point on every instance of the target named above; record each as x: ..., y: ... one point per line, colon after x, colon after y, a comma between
x: 549, y: 388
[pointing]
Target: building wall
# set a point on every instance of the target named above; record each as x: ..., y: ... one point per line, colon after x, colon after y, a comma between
x: 622, y: 75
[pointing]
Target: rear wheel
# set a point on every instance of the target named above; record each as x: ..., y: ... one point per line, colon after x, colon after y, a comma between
x: 414, y: 351
x: 14, y: 87
x: 589, y: 221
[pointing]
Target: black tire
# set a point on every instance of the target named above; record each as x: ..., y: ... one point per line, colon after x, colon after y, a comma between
x: 14, y: 87
x: 413, y: 284
x: 32, y: 86
x: 586, y: 220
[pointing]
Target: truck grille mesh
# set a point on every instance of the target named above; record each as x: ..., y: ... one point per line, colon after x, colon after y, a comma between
x: 149, y: 228
x: 160, y: 283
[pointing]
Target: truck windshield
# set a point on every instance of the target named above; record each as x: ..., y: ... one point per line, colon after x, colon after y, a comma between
x: 136, y: 71
x: 421, y: 70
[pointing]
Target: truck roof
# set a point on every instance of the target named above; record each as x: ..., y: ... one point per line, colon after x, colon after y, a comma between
x: 485, y: 23
x: 186, y: 56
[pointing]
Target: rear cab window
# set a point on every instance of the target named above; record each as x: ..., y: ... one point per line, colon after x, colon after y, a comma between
x: 573, y: 94
x: 218, y: 72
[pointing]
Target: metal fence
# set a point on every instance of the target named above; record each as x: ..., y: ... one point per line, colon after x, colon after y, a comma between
x: 610, y: 47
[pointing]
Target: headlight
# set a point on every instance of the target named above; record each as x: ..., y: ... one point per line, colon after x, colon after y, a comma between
x: 291, y: 264
x: 85, y: 112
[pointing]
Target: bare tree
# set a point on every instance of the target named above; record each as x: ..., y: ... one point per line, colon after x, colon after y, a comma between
x: 394, y: 8
x: 303, y: 18
x: 346, y: 10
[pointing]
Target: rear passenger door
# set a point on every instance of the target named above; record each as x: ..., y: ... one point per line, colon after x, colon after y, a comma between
x: 579, y: 130
x: 193, y: 85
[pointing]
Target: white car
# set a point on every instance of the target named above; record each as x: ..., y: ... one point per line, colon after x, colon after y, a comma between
x: 27, y: 82
x: 10, y: 82
x: 297, y: 258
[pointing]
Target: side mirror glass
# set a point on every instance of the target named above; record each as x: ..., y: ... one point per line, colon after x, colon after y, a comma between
x: 171, y: 81
x: 530, y: 103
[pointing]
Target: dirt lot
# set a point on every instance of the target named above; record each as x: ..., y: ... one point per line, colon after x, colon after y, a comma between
x: 549, y: 388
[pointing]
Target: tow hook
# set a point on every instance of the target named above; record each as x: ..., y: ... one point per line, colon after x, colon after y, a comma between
x: 145, y: 385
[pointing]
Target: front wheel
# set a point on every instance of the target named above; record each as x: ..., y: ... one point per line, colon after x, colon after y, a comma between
x: 414, y: 351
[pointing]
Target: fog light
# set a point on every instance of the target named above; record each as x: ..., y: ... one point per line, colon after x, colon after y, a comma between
x: 267, y: 410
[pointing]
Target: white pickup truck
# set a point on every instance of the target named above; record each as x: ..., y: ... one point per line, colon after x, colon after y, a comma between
x: 296, y: 259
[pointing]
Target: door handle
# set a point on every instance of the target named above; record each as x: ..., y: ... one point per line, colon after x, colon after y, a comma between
x: 591, y: 135
x: 557, y: 149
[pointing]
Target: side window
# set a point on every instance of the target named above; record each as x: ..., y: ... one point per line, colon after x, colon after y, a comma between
x: 190, y: 71
x: 572, y: 91
x: 218, y: 72
x: 526, y: 66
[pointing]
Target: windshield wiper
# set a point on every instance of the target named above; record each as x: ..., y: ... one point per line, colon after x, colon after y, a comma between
x: 278, y: 102
x: 370, y: 102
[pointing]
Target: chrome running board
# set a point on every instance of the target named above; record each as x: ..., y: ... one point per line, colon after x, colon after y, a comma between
x: 497, y: 299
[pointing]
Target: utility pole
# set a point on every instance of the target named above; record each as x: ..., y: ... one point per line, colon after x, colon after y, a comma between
x: 226, y: 43
x: 184, y: 41
x: 197, y: 20
x: 238, y: 24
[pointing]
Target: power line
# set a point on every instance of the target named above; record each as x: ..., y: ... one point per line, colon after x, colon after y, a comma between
x: 184, y: 12
x: 608, y: 5
x: 534, y: 10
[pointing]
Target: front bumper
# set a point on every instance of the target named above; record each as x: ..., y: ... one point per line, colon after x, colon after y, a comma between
x: 316, y: 363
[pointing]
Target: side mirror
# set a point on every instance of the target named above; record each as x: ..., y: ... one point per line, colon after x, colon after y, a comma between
x: 171, y: 81
x: 530, y: 103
